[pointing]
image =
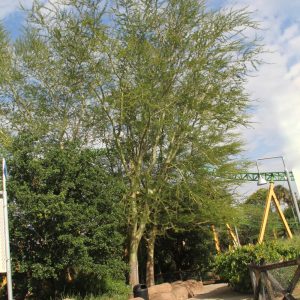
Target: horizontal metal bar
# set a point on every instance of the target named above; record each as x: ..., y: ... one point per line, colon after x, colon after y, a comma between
x: 268, y: 176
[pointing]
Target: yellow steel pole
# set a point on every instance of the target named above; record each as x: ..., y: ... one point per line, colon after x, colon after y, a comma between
x: 282, y: 217
x: 234, y: 238
x: 271, y: 194
x: 266, y: 214
x: 216, y: 239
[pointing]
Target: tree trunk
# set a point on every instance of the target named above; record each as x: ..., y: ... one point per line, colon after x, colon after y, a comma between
x: 138, y: 220
x: 136, y: 235
x: 133, y: 263
x: 150, y: 257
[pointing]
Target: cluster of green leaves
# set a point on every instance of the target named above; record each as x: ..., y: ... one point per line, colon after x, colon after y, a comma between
x: 188, y: 251
x: 233, y: 265
x: 66, y: 219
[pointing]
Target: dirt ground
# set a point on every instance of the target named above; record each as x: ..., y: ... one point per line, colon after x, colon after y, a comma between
x: 220, y: 291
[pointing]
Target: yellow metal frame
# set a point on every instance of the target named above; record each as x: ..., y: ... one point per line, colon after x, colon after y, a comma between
x: 216, y: 239
x: 271, y: 194
x: 236, y: 243
x: 233, y: 236
x: 3, y: 281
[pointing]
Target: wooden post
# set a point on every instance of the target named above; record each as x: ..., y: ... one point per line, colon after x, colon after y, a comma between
x: 264, y: 284
x: 267, y: 284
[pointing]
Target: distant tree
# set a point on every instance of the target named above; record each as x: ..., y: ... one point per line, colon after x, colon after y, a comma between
x: 258, y: 198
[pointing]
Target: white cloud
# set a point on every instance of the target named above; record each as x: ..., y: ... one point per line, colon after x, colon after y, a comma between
x: 9, y: 6
x: 276, y: 128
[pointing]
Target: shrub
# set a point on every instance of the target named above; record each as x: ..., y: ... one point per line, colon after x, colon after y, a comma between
x: 232, y: 266
x: 115, y: 287
x: 67, y: 224
x: 111, y: 290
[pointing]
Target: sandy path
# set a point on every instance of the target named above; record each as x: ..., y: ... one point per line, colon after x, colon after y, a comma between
x: 220, y: 291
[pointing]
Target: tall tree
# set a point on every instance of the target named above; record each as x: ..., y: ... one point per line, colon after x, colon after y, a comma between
x: 159, y: 84
x: 177, y: 92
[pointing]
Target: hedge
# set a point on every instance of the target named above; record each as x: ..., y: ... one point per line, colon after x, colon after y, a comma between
x: 232, y: 266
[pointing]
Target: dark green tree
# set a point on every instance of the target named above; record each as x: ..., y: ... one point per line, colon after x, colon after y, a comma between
x: 184, y: 255
x: 66, y: 218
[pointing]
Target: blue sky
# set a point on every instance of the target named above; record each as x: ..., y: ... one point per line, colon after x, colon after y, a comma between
x: 275, y: 87
x: 11, y: 14
x: 13, y: 23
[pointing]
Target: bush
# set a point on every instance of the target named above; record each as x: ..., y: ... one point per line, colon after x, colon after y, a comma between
x: 232, y: 266
x: 67, y: 222
x: 111, y: 290
x: 115, y: 287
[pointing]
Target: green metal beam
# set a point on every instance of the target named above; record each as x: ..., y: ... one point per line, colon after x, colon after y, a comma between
x: 269, y: 176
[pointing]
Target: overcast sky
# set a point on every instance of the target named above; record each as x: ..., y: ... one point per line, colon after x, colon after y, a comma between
x: 276, y: 86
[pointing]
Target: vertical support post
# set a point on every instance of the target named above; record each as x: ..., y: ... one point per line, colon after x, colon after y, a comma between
x: 282, y: 217
x: 268, y: 285
x: 233, y: 236
x: 216, y: 239
x: 253, y: 281
x: 237, y: 236
x: 271, y: 194
x: 7, y: 247
x: 293, y: 195
x: 265, y: 215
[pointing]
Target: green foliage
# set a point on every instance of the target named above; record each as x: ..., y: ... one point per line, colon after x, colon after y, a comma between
x: 258, y: 198
x: 66, y: 219
x: 233, y: 265
x: 114, y: 287
x: 112, y: 290
x: 184, y: 252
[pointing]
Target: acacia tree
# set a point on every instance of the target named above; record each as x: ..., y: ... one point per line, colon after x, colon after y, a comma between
x: 159, y: 84
x: 177, y: 92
